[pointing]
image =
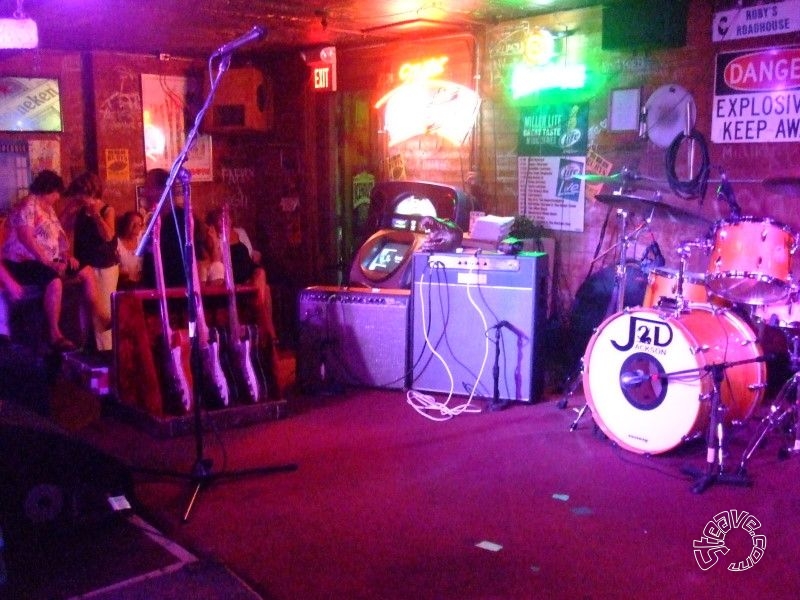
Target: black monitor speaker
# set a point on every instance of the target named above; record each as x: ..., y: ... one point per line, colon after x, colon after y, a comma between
x: 634, y: 24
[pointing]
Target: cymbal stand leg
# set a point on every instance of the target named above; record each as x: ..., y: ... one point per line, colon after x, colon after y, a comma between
x: 715, y: 444
x: 785, y: 406
x: 574, y: 425
x: 572, y: 384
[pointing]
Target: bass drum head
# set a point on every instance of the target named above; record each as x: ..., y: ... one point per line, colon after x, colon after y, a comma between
x: 649, y: 414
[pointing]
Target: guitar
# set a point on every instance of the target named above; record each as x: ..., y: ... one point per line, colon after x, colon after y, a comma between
x: 176, y: 364
x: 242, y: 339
x: 214, y: 384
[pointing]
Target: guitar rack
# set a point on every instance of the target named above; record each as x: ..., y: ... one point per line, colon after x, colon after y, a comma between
x: 138, y: 369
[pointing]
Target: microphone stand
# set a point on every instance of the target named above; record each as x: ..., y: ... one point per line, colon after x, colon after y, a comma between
x: 201, y: 474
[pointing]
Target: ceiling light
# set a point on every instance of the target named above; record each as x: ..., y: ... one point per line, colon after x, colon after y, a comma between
x: 19, y: 32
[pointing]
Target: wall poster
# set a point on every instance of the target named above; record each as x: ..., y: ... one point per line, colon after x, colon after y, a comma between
x: 168, y: 113
x: 551, y: 152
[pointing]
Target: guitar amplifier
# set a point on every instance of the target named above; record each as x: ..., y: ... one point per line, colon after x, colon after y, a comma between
x: 474, y: 313
x: 351, y: 337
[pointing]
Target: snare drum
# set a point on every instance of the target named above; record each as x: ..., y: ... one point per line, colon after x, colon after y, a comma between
x: 750, y: 260
x: 627, y: 367
x: 663, y: 282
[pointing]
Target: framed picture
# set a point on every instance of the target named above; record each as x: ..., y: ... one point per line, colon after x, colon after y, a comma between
x: 623, y: 109
x: 30, y: 104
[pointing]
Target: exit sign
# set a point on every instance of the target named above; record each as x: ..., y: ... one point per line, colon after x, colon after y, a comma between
x: 322, y: 79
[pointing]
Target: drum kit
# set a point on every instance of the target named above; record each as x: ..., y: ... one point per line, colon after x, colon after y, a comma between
x: 688, y: 362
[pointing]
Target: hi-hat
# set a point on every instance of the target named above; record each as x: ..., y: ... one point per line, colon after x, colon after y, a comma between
x: 787, y: 186
x: 647, y: 207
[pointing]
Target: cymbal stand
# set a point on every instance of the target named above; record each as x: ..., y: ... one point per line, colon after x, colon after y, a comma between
x: 615, y: 305
x: 715, y: 437
x: 782, y: 411
x: 678, y: 304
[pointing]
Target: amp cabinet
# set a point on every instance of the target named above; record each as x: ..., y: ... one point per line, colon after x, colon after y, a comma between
x: 472, y: 313
x: 351, y: 337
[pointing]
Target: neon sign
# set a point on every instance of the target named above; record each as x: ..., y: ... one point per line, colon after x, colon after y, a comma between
x: 424, y: 104
x: 427, y: 69
x: 540, y: 68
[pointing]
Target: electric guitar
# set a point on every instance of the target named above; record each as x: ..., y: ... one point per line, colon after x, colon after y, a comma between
x: 176, y: 364
x: 243, y: 347
x: 215, y: 389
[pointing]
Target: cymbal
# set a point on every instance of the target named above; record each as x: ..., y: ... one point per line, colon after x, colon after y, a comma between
x: 788, y: 186
x: 627, y: 179
x: 659, y: 210
x: 595, y: 178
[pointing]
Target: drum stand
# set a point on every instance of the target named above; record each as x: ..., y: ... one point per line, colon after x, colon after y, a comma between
x: 783, y: 411
x: 616, y: 303
x: 715, y: 438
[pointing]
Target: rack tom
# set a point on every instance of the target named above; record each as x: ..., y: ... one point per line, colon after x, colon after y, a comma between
x: 750, y: 260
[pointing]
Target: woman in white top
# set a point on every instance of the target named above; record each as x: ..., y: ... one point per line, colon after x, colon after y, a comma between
x: 131, y: 225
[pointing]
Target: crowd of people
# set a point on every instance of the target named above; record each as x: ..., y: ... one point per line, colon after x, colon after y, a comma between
x: 88, y: 246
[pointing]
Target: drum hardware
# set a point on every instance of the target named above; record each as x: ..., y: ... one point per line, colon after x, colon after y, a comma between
x: 617, y: 299
x: 715, y: 436
x: 783, y: 411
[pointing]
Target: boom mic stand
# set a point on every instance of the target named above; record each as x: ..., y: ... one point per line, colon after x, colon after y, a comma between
x: 201, y: 474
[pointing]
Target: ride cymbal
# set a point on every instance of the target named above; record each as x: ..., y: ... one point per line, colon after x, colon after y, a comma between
x: 787, y: 186
x: 647, y: 207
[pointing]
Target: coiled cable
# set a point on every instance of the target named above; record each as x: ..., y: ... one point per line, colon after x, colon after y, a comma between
x: 696, y: 186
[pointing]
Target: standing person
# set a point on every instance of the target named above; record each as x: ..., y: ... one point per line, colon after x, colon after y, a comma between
x: 129, y: 228
x: 36, y: 253
x: 95, y: 245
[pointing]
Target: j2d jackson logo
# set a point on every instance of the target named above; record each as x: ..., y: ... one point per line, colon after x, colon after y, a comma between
x: 643, y: 333
x: 708, y: 548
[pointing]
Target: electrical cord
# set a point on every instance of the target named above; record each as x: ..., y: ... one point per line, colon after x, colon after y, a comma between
x: 427, y: 405
x: 696, y: 186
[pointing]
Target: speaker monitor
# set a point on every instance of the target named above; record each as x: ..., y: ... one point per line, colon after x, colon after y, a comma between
x: 645, y: 24
x: 351, y: 337
x: 243, y: 102
x: 474, y: 313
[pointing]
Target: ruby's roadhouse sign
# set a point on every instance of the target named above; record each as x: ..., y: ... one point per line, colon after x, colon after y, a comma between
x: 757, y: 96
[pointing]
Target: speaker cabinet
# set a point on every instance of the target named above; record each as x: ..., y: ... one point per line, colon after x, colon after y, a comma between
x: 243, y: 102
x: 349, y: 337
x: 645, y: 24
x: 474, y: 315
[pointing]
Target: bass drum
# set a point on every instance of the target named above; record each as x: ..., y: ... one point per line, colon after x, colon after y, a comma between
x: 627, y: 368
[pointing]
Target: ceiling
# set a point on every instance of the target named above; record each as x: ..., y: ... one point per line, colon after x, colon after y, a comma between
x: 195, y: 28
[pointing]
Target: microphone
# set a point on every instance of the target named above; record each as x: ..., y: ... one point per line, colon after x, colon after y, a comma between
x: 637, y: 377
x: 255, y: 34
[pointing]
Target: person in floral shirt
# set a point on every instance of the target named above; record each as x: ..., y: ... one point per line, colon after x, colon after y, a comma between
x: 36, y: 253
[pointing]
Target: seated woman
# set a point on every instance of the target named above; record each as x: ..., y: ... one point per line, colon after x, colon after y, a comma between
x: 130, y: 227
x: 36, y: 254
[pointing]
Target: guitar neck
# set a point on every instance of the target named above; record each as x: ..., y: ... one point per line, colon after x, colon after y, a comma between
x: 227, y: 263
x: 158, y: 265
x: 202, y: 326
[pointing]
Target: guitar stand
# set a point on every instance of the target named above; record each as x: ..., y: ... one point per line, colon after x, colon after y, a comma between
x: 715, y: 438
x: 201, y: 474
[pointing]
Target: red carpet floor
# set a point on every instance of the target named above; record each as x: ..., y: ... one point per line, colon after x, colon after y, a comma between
x: 511, y: 504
